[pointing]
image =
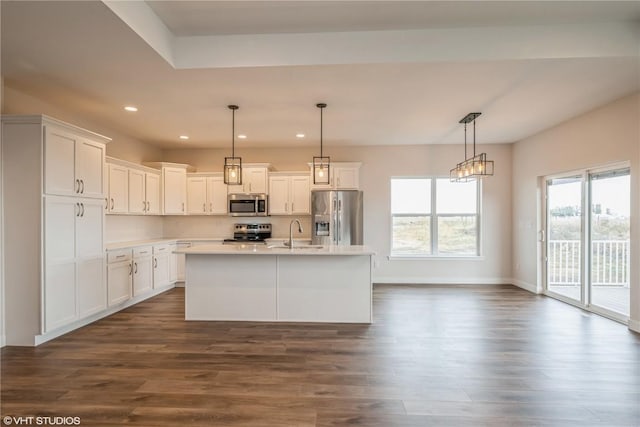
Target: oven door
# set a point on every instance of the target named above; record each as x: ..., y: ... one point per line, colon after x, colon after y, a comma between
x: 242, y: 207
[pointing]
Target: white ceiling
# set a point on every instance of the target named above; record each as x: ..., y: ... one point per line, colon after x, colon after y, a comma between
x: 391, y: 72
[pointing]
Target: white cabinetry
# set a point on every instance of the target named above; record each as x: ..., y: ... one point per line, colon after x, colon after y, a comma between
x: 133, y: 189
x: 161, y: 266
x: 118, y: 189
x: 54, y: 272
x: 289, y: 194
x: 254, y: 179
x: 142, y: 270
x: 73, y: 164
x: 343, y: 176
x: 206, y: 194
x: 173, y: 194
x: 119, y: 276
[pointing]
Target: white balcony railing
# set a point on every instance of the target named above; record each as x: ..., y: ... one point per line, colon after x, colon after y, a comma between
x: 609, y: 260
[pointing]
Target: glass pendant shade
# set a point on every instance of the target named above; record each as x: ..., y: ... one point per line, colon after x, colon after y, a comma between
x: 321, y: 170
x: 233, y: 170
x: 473, y: 167
x: 233, y: 164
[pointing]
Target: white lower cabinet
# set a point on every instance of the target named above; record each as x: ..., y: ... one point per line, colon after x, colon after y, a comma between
x: 59, y: 295
x: 142, y: 270
x: 161, y: 266
x: 119, y: 276
x: 92, y: 292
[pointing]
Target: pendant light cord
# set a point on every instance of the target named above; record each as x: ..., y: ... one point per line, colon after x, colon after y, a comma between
x: 233, y: 133
x: 474, y: 137
x: 465, y: 141
x: 321, y: 132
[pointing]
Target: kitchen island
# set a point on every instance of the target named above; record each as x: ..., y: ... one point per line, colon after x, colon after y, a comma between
x: 263, y: 283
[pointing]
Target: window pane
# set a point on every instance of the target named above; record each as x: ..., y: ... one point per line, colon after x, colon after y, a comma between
x: 411, y: 235
x: 456, y: 197
x: 457, y: 235
x: 410, y: 196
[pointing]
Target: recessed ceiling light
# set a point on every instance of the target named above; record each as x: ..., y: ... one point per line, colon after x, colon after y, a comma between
x: 299, y: 135
x: 184, y: 137
x: 131, y: 108
x: 242, y: 136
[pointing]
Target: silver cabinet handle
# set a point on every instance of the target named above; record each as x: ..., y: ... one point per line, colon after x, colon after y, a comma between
x: 112, y: 204
x: 155, y: 263
x: 204, y: 207
x: 182, y: 206
x: 82, y: 205
x: 148, y: 206
x: 78, y: 206
x: 120, y: 256
x: 82, y: 183
x: 77, y: 186
x: 143, y: 252
x: 144, y: 206
x: 136, y: 268
x: 130, y: 269
x: 106, y: 203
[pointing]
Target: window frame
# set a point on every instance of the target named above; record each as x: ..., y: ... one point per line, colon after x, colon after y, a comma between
x: 433, y: 217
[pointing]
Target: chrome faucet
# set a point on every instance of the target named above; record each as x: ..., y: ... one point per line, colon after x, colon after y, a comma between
x: 291, y: 231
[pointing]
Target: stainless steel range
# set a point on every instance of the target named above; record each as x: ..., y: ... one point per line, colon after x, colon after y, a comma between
x: 249, y: 233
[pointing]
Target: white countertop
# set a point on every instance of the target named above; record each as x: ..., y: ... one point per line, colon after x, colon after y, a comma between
x: 137, y: 243
x: 249, y: 249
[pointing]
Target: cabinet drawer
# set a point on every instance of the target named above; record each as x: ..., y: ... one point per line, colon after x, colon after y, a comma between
x: 119, y: 255
x: 161, y: 249
x: 142, y: 251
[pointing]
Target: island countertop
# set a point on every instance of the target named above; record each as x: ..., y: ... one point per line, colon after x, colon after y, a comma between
x: 261, y: 249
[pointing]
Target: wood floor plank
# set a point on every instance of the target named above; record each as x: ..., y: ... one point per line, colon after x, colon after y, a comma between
x: 434, y: 356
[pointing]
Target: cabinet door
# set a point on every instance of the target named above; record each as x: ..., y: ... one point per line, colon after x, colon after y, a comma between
x: 175, y: 187
x: 217, y: 195
x: 119, y: 282
x: 347, y: 178
x: 92, y: 290
x: 89, y: 170
x: 118, y: 189
x: 173, y: 265
x: 60, y: 214
x: 160, y: 271
x: 256, y: 178
x: 142, y: 275
x: 59, y: 162
x: 89, y: 229
x: 152, y: 193
x: 197, y: 195
x: 59, y: 295
x: 299, y: 195
x: 137, y: 199
x: 279, y: 195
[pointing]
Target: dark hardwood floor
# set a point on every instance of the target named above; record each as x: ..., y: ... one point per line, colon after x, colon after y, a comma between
x: 435, y: 355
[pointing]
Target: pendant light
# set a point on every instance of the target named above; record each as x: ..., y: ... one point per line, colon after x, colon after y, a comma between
x: 321, y: 163
x: 476, y: 166
x: 233, y: 164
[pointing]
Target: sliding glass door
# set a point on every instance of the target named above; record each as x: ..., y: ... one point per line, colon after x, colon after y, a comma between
x: 587, y: 228
x: 609, y: 235
x: 564, y: 237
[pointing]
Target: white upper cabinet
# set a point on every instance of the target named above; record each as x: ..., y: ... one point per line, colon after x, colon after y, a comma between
x: 152, y: 192
x: 137, y: 199
x: 343, y: 176
x: 175, y: 190
x: 254, y: 180
x: 289, y: 194
x: 73, y: 165
x: 118, y: 189
x: 206, y: 194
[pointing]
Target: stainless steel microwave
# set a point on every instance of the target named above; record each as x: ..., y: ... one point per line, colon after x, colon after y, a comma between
x: 248, y: 204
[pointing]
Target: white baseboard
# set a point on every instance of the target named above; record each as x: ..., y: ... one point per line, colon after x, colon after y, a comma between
x: 634, y: 325
x: 440, y: 281
x: 525, y: 285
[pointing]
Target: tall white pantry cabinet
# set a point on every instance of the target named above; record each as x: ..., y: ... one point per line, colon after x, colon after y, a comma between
x: 54, y: 210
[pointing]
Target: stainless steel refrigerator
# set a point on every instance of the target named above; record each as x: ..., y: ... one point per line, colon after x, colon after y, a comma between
x: 336, y: 217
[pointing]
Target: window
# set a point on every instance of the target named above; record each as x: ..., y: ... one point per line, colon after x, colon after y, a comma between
x: 433, y: 216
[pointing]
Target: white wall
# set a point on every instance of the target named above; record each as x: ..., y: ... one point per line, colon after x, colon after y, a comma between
x: 606, y: 135
x: 379, y: 165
